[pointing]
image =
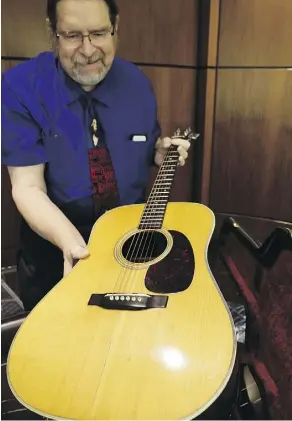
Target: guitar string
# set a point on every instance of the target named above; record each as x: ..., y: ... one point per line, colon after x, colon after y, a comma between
x: 147, y: 235
x: 121, y: 278
x: 150, y: 240
x: 127, y: 271
x: 137, y: 238
x: 159, y: 190
x: 173, y: 153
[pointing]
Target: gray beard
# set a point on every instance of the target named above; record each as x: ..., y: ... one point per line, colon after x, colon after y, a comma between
x: 90, y: 80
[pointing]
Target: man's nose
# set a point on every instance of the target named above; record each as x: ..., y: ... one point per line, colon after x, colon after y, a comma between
x: 87, y: 49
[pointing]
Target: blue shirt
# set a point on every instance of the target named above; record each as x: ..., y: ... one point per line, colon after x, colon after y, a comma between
x: 43, y: 121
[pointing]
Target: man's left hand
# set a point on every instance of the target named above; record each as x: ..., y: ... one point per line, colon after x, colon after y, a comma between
x: 162, y: 145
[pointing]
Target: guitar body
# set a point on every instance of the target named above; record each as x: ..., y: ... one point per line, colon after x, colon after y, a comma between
x: 79, y: 359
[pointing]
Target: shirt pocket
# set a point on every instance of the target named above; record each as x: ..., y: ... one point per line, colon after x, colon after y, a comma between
x: 67, y: 166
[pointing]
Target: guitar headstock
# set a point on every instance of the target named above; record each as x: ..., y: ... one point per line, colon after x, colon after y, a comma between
x: 187, y: 134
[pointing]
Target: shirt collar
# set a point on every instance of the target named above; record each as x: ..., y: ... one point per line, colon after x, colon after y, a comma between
x: 103, y: 92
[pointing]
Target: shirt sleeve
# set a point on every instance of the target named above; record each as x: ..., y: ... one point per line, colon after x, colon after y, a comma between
x: 21, y: 140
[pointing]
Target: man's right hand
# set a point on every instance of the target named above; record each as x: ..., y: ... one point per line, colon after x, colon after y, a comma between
x: 77, y: 252
x: 29, y: 193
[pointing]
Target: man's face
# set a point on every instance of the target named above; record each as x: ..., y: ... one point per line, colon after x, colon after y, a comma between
x: 86, y: 62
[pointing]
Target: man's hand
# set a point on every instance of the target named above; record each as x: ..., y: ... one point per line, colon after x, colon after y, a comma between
x: 164, y: 143
x: 71, y: 254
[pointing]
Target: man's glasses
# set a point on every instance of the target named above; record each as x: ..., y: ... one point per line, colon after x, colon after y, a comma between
x: 95, y: 37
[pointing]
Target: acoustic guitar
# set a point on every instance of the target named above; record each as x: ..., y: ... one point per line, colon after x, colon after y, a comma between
x: 139, y: 329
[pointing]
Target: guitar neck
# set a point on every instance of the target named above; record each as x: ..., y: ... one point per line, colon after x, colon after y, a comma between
x: 154, y: 211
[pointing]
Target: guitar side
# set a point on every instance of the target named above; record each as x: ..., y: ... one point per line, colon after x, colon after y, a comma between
x: 74, y: 361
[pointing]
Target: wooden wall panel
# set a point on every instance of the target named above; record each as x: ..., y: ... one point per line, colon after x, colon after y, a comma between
x: 252, y: 152
x: 209, y: 17
x: 176, y: 90
x: 159, y: 31
x: 255, y: 33
x: 146, y: 36
x: 24, y: 32
x: 8, y: 64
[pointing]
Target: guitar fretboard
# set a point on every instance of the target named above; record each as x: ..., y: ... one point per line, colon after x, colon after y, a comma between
x: 155, y: 208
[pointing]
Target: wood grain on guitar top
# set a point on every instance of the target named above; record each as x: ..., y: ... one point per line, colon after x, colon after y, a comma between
x: 75, y: 361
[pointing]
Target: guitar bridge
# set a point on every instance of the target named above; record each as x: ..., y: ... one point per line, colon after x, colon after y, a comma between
x: 128, y: 301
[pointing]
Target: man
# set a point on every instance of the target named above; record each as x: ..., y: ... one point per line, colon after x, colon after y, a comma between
x: 70, y: 124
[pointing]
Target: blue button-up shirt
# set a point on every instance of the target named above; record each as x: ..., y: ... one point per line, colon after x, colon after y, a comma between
x: 43, y: 121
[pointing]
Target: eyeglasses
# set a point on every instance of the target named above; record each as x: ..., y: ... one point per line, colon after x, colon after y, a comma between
x: 76, y: 38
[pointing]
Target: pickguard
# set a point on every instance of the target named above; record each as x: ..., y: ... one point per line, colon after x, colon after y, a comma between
x: 175, y: 272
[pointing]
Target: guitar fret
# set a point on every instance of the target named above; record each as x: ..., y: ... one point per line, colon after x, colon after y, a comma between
x: 160, y: 195
x: 167, y: 184
x: 154, y: 219
x: 150, y: 225
x: 156, y: 204
x: 155, y: 207
x: 154, y: 214
x: 150, y: 215
x: 155, y: 210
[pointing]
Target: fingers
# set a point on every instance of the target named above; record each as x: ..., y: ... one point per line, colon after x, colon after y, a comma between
x: 164, y: 143
x: 181, y: 142
x: 183, y: 153
x: 71, y: 258
x: 183, y: 156
x: 79, y: 252
x: 67, y: 266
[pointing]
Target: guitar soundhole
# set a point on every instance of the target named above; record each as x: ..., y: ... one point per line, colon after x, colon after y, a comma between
x: 144, y: 246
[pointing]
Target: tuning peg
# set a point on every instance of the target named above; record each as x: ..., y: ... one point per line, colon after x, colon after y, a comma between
x: 187, y: 131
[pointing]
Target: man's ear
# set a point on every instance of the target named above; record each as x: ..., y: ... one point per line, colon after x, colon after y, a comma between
x: 117, y: 24
x: 51, y: 35
x: 49, y: 27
